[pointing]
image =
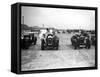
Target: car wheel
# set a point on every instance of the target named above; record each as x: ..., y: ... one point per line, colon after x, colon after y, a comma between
x: 42, y: 48
x: 89, y: 46
x: 34, y: 42
x: 75, y: 47
x: 42, y: 45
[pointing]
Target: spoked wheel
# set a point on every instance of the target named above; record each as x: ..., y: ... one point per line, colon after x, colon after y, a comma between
x: 42, y: 45
x: 75, y: 46
x: 88, y: 46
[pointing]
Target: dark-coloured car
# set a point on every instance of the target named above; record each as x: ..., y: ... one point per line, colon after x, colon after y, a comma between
x: 80, y: 41
x: 50, y: 42
x: 27, y: 40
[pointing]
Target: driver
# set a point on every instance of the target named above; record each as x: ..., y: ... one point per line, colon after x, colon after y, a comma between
x: 47, y: 32
x: 44, y: 34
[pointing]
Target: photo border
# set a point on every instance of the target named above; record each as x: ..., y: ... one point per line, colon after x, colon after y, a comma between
x: 61, y: 7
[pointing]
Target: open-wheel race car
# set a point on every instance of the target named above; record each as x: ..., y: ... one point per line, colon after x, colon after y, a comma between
x: 80, y: 41
x: 28, y: 40
x: 50, y: 42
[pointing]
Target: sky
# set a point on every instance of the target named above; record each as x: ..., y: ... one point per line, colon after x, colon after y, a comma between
x: 58, y: 18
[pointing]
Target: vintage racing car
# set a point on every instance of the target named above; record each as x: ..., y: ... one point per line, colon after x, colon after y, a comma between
x: 50, y: 42
x: 28, y: 40
x: 80, y: 41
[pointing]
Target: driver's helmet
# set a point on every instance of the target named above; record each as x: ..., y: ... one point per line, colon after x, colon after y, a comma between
x: 47, y: 30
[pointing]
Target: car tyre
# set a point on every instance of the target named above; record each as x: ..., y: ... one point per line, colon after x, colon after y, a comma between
x: 42, y: 45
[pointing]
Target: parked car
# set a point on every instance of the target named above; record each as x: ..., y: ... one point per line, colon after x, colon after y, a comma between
x: 50, y: 42
x: 27, y: 40
x: 80, y: 41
